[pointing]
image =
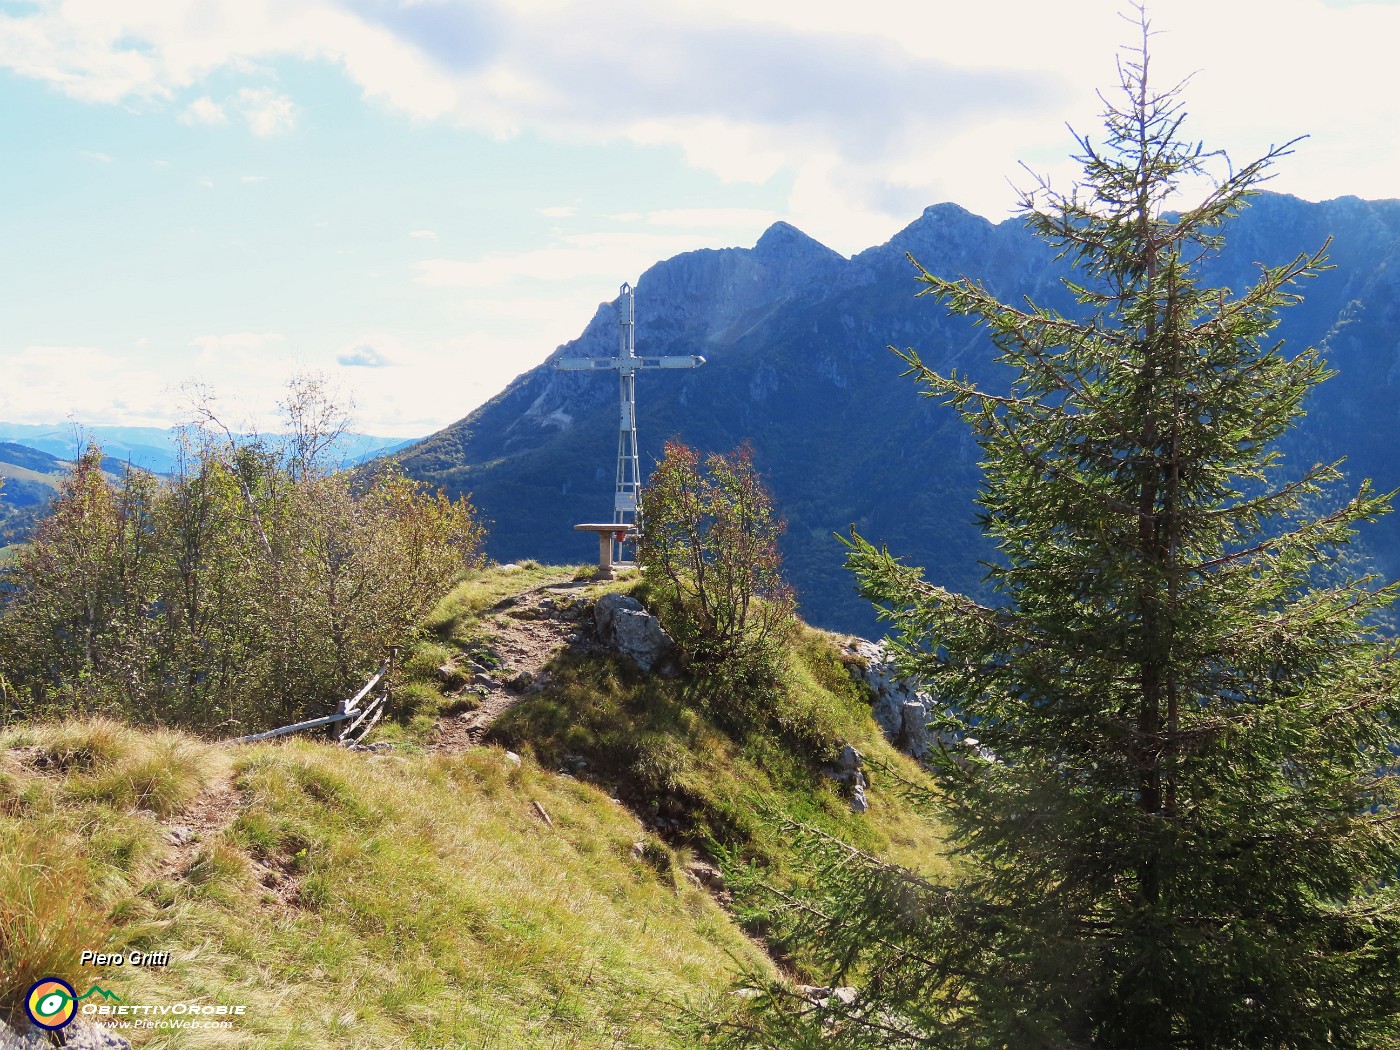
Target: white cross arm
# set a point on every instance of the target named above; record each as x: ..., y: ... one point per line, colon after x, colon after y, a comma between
x: 670, y: 362
x: 630, y: 364
x: 585, y: 364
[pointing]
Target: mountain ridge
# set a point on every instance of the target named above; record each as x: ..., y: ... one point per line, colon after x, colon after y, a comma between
x: 795, y: 338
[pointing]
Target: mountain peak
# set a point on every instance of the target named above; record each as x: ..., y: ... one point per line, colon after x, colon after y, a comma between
x: 785, y: 239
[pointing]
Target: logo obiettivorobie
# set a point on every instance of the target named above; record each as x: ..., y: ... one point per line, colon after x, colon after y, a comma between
x: 51, y: 1002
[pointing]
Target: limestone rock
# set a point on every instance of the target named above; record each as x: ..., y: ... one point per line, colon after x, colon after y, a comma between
x: 624, y: 624
x: 34, y: 1039
x: 848, y: 764
x: 913, y: 731
x: 850, y: 760
x: 900, y: 706
x: 450, y: 676
x: 843, y: 995
x: 858, y: 802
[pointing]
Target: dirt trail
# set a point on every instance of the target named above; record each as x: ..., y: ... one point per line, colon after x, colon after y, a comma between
x: 524, y: 632
x: 200, y: 822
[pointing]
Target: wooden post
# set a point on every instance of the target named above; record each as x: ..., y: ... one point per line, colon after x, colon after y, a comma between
x: 336, y: 727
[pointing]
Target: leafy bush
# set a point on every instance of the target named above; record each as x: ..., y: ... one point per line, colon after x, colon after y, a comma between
x: 709, y: 553
x: 248, y: 593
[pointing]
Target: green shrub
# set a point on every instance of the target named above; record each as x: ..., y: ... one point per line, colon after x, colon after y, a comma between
x: 709, y: 553
x: 249, y: 591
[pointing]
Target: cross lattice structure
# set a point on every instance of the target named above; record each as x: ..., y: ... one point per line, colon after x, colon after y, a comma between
x: 628, y: 489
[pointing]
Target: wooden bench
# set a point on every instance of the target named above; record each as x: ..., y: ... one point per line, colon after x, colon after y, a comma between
x: 608, y: 533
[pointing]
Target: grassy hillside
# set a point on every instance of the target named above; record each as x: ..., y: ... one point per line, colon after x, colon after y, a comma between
x: 353, y: 900
x: 417, y: 898
x: 698, y: 763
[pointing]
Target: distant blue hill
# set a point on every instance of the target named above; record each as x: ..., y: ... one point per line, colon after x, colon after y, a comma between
x: 155, y: 448
x: 34, y: 464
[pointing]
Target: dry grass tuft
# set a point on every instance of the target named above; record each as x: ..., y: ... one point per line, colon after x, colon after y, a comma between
x: 46, y: 917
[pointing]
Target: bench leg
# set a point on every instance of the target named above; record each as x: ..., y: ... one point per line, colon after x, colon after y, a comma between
x: 605, y: 562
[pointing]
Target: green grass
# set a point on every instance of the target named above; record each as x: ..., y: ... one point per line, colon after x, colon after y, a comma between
x: 357, y: 900
x: 463, y: 606
x: 78, y: 804
x: 659, y: 743
x: 412, y: 900
x: 18, y: 473
x: 455, y: 632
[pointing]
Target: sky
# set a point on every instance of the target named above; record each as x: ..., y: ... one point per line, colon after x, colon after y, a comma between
x: 421, y: 199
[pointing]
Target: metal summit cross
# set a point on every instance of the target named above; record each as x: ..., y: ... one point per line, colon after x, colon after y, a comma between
x: 629, y: 481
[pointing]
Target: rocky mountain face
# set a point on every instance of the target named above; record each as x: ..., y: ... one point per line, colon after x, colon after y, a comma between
x: 796, y: 339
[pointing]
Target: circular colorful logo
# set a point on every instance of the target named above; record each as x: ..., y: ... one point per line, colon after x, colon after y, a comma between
x: 51, y: 1003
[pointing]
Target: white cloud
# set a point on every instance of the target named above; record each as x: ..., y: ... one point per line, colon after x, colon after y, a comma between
x: 203, y: 110
x: 253, y: 178
x: 100, y: 158
x: 267, y: 112
x: 470, y: 368
x: 363, y: 355
x: 852, y: 117
x: 206, y: 182
x: 872, y: 107
x: 710, y: 218
x: 212, y: 346
x: 579, y: 257
x: 244, y: 373
x: 45, y: 384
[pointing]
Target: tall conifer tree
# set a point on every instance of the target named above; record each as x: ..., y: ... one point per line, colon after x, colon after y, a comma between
x: 1180, y: 828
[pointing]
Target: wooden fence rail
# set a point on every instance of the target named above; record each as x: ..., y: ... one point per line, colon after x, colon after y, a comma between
x: 366, y: 714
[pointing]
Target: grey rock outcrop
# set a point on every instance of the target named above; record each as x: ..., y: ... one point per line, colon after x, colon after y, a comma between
x: 859, y: 804
x: 848, y: 772
x: 913, y: 736
x: 80, y: 1035
x: 843, y: 996
x: 625, y: 625
x: 903, y: 709
x: 900, y: 706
